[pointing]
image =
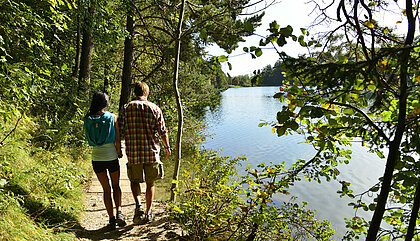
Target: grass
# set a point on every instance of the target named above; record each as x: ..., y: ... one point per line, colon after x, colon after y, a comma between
x: 41, y: 191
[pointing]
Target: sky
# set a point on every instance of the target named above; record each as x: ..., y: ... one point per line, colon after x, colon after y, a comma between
x: 286, y: 12
x: 296, y: 13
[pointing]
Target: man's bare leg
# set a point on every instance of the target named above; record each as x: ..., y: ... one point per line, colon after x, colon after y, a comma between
x: 150, y: 193
x: 136, y: 191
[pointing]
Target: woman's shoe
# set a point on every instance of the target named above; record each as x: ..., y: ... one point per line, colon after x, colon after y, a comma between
x: 120, y: 219
x: 112, y: 224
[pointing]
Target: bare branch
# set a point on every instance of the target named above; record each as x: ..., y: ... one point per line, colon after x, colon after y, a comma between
x: 17, y: 122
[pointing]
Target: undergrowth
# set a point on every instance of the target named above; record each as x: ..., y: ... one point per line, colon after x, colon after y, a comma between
x: 40, y: 190
x: 218, y: 204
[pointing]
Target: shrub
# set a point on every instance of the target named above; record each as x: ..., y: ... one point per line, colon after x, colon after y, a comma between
x: 217, y: 204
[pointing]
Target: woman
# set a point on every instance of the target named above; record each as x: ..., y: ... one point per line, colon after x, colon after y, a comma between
x: 102, y: 133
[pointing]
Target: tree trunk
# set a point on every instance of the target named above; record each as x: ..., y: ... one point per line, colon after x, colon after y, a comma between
x: 414, y: 214
x: 87, y: 50
x: 77, y: 57
x: 395, y: 144
x: 178, y: 104
x: 128, y: 60
x: 106, y: 78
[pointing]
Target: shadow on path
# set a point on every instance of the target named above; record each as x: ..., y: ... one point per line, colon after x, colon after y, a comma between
x: 94, y: 220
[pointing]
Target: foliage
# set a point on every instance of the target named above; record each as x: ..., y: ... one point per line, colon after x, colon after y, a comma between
x: 39, y: 190
x: 357, y: 90
x: 217, y: 204
x: 272, y: 76
x: 240, y: 80
x: 26, y: 47
x: 38, y: 82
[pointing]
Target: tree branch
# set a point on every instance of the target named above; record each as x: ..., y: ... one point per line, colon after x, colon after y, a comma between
x: 17, y: 122
x: 370, y: 122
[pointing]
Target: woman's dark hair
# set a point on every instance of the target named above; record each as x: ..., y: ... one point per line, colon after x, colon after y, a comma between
x: 100, y: 101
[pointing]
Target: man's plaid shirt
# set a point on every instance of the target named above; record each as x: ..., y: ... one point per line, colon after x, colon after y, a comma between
x: 140, y: 123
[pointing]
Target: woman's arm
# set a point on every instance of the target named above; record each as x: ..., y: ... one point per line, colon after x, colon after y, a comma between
x: 117, y: 138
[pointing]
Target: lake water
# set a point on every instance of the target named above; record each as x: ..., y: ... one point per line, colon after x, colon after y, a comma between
x: 234, y: 131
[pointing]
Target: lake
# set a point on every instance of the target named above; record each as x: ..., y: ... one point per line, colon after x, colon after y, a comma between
x: 234, y: 131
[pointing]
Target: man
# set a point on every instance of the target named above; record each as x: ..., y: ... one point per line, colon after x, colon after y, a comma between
x: 141, y: 122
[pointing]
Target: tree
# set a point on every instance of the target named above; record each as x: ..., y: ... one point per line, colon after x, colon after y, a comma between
x: 28, y: 40
x: 87, y: 48
x: 128, y: 58
x: 160, y: 35
x: 362, y: 86
x: 178, y: 101
x: 78, y: 39
x: 272, y: 76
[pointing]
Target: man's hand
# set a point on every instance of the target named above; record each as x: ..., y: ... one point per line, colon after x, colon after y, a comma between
x: 168, y: 152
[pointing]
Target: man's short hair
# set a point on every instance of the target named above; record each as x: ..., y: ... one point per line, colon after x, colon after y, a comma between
x: 141, y: 89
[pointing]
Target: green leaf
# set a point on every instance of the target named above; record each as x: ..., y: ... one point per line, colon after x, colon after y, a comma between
x: 230, y: 65
x: 348, y: 111
x: 278, y: 95
x: 281, y: 41
x: 248, y: 27
x: 287, y: 31
x: 386, y: 116
x: 222, y: 58
x: 371, y: 87
x: 281, y: 131
x: 258, y: 52
x: 282, y: 117
x: 317, y: 112
x: 274, y: 26
x: 380, y: 154
x: 203, y: 34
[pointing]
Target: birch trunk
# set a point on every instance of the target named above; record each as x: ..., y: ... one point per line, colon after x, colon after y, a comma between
x: 178, y: 104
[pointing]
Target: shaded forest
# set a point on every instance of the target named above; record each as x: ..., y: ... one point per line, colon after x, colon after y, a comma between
x: 270, y: 76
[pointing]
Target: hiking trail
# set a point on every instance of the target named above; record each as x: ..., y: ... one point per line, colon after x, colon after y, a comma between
x: 94, y: 219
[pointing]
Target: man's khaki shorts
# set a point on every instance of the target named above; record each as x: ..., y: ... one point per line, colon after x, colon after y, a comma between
x: 145, y: 172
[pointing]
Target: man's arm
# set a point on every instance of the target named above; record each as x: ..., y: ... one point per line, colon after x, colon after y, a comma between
x: 165, y: 141
x: 117, y: 138
x: 121, y: 123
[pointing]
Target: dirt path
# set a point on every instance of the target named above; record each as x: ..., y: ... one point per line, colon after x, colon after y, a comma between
x: 95, y: 218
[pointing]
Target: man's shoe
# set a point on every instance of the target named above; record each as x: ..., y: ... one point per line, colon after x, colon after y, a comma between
x: 149, y: 217
x: 120, y: 219
x: 112, y: 224
x: 138, y: 215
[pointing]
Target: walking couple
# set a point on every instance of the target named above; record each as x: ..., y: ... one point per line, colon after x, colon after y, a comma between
x: 141, y: 123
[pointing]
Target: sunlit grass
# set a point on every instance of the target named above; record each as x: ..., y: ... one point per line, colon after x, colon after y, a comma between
x: 41, y: 192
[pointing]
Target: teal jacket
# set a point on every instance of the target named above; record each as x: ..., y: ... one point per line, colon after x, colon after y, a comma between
x: 100, y: 130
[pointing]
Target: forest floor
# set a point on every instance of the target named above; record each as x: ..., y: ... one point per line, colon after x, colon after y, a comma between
x: 95, y: 219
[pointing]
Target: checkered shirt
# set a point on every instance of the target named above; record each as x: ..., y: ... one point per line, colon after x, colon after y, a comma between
x: 140, y: 123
